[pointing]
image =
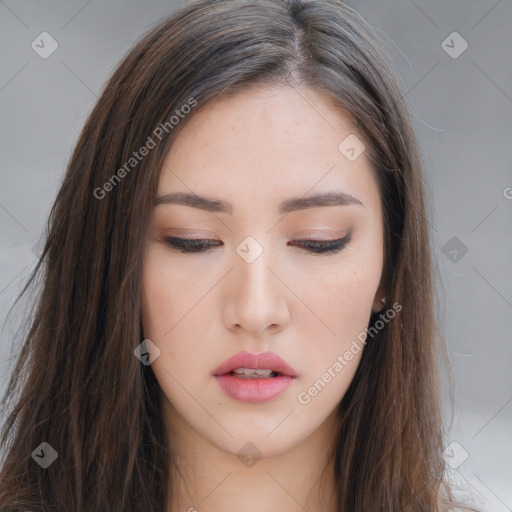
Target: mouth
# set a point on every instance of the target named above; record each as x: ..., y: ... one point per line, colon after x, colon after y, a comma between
x: 255, y: 378
x: 250, y: 365
x: 254, y: 373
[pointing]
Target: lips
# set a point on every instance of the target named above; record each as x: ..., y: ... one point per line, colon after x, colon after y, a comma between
x: 262, y: 360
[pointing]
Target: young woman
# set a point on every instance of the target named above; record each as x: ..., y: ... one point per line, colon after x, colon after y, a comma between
x: 237, y: 294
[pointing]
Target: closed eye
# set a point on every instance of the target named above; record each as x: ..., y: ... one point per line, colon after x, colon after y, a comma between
x: 197, y: 245
x: 324, y: 246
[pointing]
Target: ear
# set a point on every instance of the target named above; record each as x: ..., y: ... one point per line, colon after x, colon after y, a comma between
x: 378, y: 305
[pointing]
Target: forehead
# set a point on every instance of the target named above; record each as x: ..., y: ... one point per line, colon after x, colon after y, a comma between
x: 261, y: 143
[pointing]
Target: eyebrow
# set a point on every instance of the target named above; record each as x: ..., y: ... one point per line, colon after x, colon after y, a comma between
x: 287, y: 206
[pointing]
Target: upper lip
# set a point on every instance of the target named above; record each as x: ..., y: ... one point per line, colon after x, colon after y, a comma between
x: 256, y: 360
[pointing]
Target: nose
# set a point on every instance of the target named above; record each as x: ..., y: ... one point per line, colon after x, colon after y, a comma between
x: 257, y: 298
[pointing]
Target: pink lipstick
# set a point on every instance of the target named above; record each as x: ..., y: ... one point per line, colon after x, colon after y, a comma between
x: 254, y: 377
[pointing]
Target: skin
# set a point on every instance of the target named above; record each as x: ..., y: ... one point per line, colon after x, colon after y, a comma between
x: 253, y: 150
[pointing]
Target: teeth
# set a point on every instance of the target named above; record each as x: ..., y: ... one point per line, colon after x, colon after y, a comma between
x: 254, y: 372
x: 264, y: 372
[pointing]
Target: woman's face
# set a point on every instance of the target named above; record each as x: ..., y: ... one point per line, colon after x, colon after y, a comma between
x: 260, y: 158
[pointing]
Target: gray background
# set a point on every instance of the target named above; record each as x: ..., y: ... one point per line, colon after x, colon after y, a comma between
x: 462, y: 111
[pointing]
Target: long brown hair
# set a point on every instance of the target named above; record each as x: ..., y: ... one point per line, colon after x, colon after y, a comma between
x: 76, y: 384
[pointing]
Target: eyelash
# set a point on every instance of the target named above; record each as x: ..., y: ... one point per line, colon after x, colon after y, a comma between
x: 198, y: 245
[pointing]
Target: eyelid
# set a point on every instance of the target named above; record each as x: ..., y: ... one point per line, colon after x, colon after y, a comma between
x: 314, y: 246
x: 331, y: 246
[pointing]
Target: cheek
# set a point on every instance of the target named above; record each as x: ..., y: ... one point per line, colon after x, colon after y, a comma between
x: 339, y: 308
x: 330, y: 343
x: 178, y: 313
x: 168, y: 293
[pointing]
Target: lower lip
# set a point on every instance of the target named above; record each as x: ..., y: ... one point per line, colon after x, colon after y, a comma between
x: 254, y: 391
